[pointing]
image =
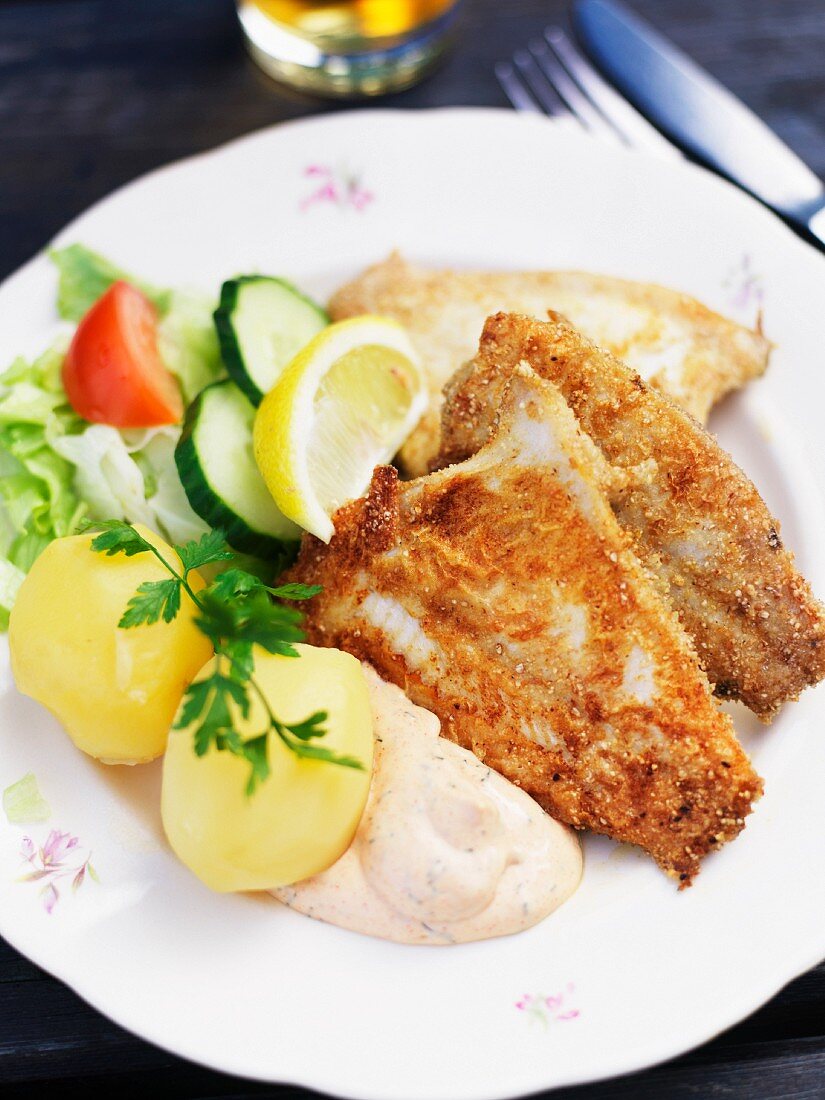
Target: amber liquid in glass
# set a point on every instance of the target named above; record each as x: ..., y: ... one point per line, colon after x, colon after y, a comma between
x: 347, y: 47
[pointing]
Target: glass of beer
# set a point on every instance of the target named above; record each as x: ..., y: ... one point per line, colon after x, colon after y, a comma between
x: 349, y: 48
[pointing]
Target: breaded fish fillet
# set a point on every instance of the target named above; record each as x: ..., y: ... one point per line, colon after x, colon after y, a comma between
x: 698, y: 522
x: 502, y: 595
x: 673, y: 341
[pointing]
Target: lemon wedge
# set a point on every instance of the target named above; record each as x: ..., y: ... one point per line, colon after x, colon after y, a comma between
x: 342, y: 406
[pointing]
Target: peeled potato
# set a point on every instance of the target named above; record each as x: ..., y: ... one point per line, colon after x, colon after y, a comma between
x: 116, y: 691
x: 304, y: 816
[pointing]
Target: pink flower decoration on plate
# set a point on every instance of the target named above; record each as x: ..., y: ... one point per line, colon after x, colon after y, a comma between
x: 57, y: 847
x: 53, y: 864
x: 745, y: 287
x: 553, y: 1009
x: 337, y: 186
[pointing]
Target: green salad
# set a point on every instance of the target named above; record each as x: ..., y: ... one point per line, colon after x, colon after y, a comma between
x: 58, y: 470
x: 160, y: 407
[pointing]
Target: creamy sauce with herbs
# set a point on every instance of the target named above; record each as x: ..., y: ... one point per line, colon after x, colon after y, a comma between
x: 447, y: 851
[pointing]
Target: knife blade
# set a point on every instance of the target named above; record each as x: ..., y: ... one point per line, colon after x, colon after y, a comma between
x: 695, y: 110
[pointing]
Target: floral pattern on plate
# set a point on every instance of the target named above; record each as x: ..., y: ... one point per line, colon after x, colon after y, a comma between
x: 554, y: 1009
x: 336, y: 186
x: 58, y: 860
x: 745, y: 287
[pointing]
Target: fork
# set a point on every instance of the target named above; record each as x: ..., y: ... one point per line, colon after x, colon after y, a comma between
x: 552, y: 77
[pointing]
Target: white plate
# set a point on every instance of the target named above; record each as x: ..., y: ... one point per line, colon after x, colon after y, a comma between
x: 631, y: 971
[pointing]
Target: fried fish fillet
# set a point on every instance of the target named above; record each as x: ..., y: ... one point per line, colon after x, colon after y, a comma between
x: 502, y: 595
x: 698, y: 522
x: 680, y: 346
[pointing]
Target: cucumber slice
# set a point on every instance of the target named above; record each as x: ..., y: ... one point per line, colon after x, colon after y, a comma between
x: 222, y: 483
x: 262, y: 324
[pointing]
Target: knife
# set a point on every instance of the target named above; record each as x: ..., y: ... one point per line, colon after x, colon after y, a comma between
x: 696, y: 111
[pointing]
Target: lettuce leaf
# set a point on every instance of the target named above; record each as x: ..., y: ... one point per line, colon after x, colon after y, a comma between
x: 56, y: 469
x: 165, y: 494
x: 23, y: 804
x: 10, y: 580
x: 106, y: 476
x: 132, y: 476
x: 83, y: 276
x: 38, y: 499
x: 27, y: 548
x: 188, y: 342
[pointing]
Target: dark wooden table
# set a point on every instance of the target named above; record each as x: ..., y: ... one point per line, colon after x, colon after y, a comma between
x: 95, y: 92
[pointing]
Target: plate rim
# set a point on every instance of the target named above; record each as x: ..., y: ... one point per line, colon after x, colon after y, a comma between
x: 805, y: 957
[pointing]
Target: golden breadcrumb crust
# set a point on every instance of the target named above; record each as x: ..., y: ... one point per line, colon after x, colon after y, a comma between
x: 698, y: 522
x: 502, y: 595
x: 682, y: 347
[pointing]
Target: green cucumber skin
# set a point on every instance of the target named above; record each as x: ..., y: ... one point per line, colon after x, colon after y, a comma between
x: 230, y: 352
x: 213, y: 511
x: 227, y: 341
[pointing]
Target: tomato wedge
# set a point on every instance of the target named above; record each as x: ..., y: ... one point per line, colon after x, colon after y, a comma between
x: 113, y: 373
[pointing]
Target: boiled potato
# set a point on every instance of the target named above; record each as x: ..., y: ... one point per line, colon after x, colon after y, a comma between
x: 303, y: 817
x: 116, y: 691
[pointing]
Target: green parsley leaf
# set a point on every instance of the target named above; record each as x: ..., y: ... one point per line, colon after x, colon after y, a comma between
x: 272, y: 639
x: 214, y: 712
x: 237, y: 692
x: 217, y: 618
x: 216, y: 722
x: 256, y: 751
x: 235, y: 582
x: 295, y: 591
x: 153, y: 600
x: 310, y: 727
x: 211, y: 547
x: 318, y: 752
x: 229, y: 741
x: 117, y: 537
x: 195, y: 699
x: 241, y: 661
x: 236, y: 612
x: 253, y: 619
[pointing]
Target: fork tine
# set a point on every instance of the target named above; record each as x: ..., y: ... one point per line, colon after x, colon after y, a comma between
x: 570, y: 92
x: 515, y: 90
x: 541, y: 88
x: 633, y: 127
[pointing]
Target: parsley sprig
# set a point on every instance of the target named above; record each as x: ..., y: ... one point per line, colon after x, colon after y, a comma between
x: 236, y: 612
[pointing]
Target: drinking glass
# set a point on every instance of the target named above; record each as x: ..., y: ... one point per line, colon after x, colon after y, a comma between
x: 347, y: 48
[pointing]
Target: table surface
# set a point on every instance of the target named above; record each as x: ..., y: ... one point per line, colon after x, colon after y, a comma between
x: 96, y: 92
